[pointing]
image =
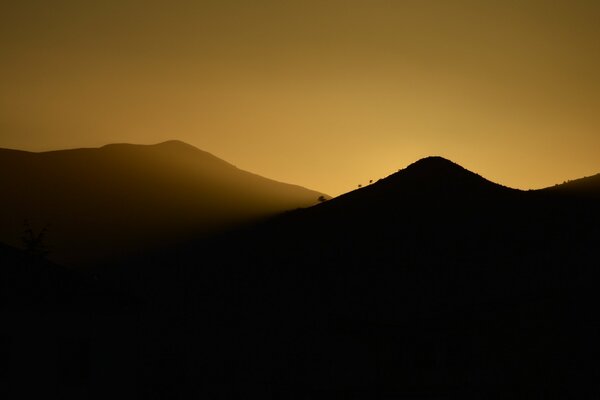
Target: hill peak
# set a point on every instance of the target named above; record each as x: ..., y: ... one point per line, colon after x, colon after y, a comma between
x: 169, y: 144
x: 437, y: 174
x: 175, y: 144
x: 436, y: 168
x: 434, y: 163
x: 170, y: 148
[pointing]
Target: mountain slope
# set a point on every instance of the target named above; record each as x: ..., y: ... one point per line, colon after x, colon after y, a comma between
x: 431, y: 283
x: 123, y: 197
x: 584, y: 187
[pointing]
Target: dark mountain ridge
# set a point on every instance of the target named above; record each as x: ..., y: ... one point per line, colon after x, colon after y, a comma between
x: 431, y: 179
x: 431, y: 283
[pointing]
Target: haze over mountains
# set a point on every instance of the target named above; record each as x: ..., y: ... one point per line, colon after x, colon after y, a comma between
x: 99, y: 202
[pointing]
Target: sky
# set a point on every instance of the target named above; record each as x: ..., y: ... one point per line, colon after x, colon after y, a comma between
x: 326, y: 94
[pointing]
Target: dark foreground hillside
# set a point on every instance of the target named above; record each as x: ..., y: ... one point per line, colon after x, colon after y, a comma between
x: 64, y: 334
x: 433, y: 283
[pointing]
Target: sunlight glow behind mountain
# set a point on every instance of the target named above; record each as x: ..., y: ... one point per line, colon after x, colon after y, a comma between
x: 325, y: 94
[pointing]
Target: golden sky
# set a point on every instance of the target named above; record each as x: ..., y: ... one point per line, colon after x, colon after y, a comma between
x: 326, y: 94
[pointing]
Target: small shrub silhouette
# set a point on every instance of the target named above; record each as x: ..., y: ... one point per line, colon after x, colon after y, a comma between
x: 34, y: 241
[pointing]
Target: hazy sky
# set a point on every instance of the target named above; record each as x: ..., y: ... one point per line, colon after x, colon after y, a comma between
x: 325, y: 94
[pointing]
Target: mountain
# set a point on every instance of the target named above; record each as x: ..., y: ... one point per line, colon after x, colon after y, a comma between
x: 100, y: 202
x: 436, y: 174
x: 431, y: 283
x: 431, y: 179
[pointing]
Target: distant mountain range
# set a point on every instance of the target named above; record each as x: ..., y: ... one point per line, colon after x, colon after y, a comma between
x: 100, y: 202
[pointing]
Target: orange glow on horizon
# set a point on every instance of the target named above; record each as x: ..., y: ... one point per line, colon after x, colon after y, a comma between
x: 327, y: 95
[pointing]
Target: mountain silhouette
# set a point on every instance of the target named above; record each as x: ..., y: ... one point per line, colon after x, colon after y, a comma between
x: 438, y: 173
x: 432, y: 192
x: 426, y: 180
x: 431, y: 283
x: 100, y: 202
